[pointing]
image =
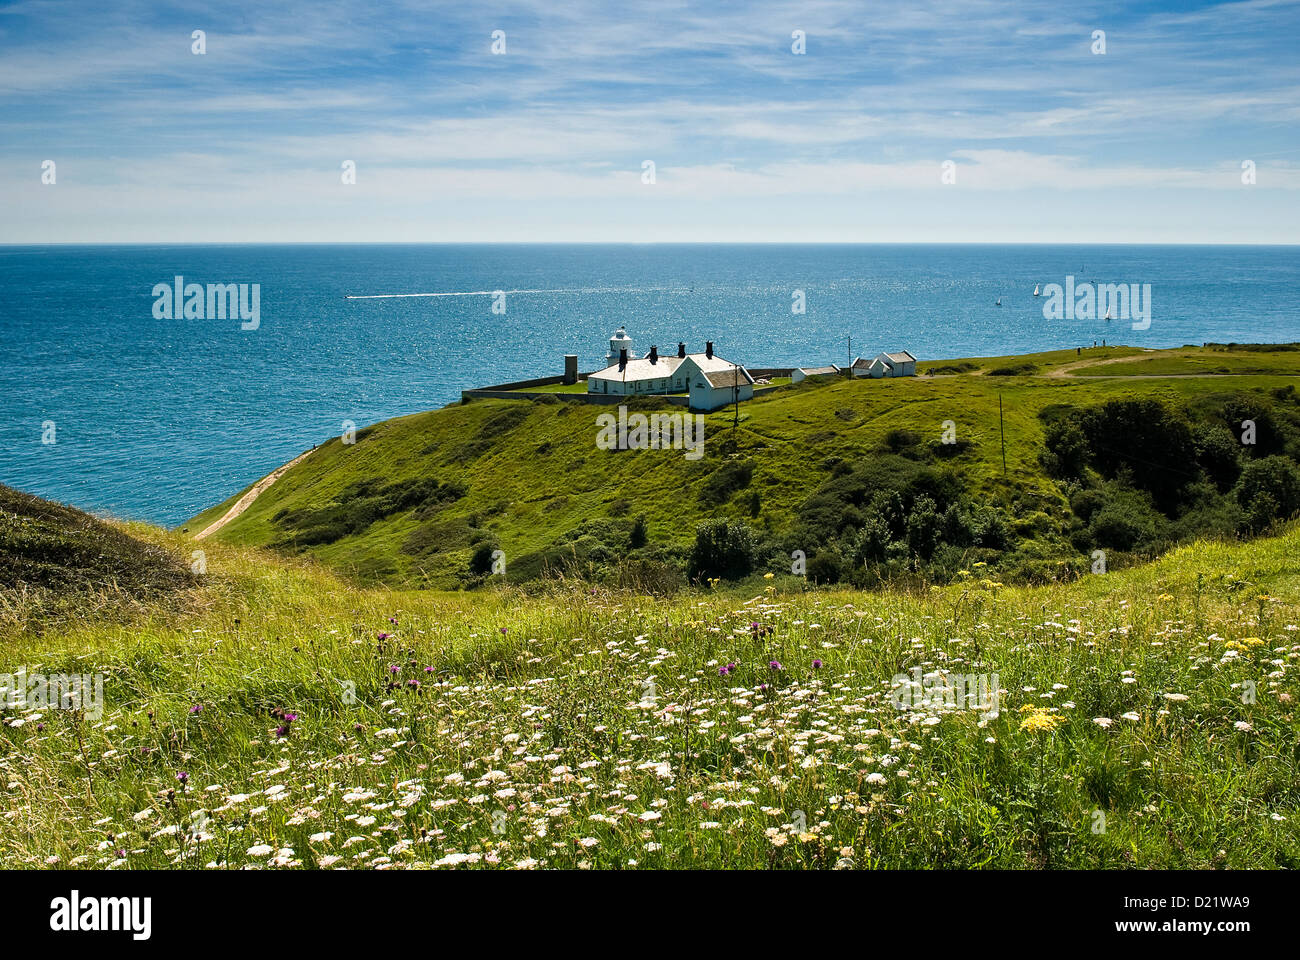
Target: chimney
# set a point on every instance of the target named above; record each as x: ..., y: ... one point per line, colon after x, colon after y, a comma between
x: 708, y: 349
x: 681, y: 350
x: 570, y: 368
x: 654, y: 354
x: 622, y: 359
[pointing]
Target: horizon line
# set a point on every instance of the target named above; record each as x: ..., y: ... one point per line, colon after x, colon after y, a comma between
x: 650, y: 243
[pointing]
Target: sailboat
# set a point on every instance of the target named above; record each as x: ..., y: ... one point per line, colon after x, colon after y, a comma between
x: 1036, y: 293
x: 1108, y: 316
x: 999, y: 303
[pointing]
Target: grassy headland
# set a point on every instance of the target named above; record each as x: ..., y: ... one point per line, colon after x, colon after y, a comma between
x: 854, y: 474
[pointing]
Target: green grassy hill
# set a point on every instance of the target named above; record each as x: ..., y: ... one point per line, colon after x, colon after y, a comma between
x: 414, y: 498
x: 56, y: 557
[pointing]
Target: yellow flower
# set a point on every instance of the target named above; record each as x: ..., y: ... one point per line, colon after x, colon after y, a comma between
x: 1040, y: 720
x: 768, y: 576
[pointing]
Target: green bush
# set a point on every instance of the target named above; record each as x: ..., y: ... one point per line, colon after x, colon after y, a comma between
x: 826, y: 566
x: 1065, y: 449
x: 1146, y: 440
x: 723, y: 548
x: 638, y: 537
x: 923, y: 523
x: 480, y: 561
x: 988, y: 529
x: 1269, y: 490
x: 1127, y: 521
x: 1016, y: 370
x: 724, y: 482
x: 1219, y: 454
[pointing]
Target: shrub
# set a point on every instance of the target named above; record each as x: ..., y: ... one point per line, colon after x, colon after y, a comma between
x: 723, y: 548
x: 825, y: 566
x: 1269, y: 489
x: 1218, y: 453
x: 988, y: 529
x: 1087, y: 502
x: 923, y: 523
x: 954, y: 527
x: 1148, y: 440
x: 1127, y: 521
x: 638, y: 537
x: 1065, y: 449
x: 871, y: 544
x: 480, y: 562
x: 1019, y: 369
x: 723, y: 483
x: 898, y: 441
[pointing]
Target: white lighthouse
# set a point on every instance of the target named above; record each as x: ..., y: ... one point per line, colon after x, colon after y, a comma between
x: 619, y: 341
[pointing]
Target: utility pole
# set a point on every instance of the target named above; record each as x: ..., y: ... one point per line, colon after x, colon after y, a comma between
x: 850, y: 351
x: 1003, y: 427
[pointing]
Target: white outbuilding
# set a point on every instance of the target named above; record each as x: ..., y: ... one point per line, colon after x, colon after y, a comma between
x: 799, y: 374
x: 900, y: 364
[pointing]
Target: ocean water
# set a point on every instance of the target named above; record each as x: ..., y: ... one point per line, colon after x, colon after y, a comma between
x: 155, y: 419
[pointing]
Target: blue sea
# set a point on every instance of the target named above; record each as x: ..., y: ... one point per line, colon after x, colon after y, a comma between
x: 156, y: 419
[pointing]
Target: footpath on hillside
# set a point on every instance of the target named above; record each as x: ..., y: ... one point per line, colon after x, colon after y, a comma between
x: 246, y: 501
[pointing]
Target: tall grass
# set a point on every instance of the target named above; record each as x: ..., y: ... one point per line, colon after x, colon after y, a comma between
x: 279, y: 717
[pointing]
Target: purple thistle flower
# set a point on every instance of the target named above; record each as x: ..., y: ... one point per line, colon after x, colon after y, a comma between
x: 183, y: 777
x: 197, y: 708
x: 394, y: 668
x: 817, y: 664
x: 775, y: 665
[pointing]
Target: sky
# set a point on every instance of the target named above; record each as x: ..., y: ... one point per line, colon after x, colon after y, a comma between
x: 1046, y: 139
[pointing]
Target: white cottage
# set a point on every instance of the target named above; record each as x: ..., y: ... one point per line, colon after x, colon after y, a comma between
x: 900, y: 364
x: 707, y: 379
x: 716, y: 382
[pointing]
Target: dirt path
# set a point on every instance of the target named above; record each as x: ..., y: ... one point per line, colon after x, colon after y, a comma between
x: 1067, y: 369
x: 246, y: 501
